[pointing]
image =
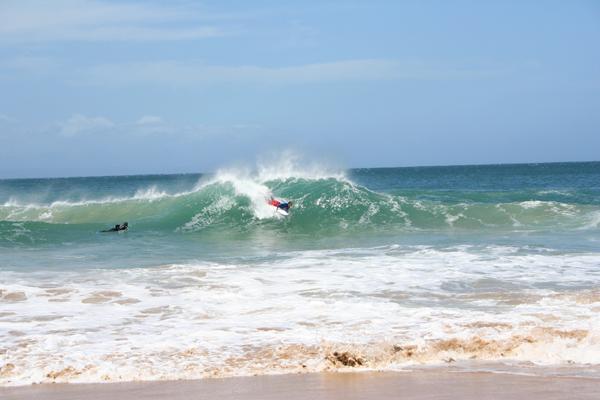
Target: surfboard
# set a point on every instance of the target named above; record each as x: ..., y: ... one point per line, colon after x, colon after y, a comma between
x: 283, y: 212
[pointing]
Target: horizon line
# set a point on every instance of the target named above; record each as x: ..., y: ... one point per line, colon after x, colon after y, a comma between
x: 345, y: 169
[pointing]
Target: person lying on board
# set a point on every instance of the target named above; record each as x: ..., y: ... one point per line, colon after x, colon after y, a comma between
x: 284, y: 205
x: 117, y: 228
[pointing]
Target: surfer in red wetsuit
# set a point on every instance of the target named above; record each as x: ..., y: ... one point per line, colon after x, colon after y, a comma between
x: 280, y: 204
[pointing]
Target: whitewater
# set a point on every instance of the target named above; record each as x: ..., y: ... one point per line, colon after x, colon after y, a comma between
x: 471, y: 267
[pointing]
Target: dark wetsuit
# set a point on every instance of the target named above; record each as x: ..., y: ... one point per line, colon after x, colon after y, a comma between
x: 118, y: 228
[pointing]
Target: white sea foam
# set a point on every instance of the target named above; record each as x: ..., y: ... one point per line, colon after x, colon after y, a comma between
x: 246, y: 185
x: 388, y: 307
x: 592, y: 220
x: 533, y: 203
x: 252, y: 182
x: 151, y: 193
x: 552, y: 206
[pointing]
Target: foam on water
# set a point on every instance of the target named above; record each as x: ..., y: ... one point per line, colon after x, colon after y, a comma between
x: 245, y: 185
x: 252, y: 184
x: 478, y: 267
x: 384, y: 307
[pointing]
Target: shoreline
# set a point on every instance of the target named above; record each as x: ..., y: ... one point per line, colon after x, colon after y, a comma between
x: 350, y: 385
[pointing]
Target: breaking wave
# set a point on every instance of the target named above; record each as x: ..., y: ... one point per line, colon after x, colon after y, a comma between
x: 323, y: 203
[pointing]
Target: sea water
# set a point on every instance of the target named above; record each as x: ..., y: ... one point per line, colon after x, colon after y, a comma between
x: 467, y: 267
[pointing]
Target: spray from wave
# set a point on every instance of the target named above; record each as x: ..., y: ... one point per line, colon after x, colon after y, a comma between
x: 269, y: 177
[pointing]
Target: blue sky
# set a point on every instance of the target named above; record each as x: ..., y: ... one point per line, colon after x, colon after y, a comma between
x: 127, y: 87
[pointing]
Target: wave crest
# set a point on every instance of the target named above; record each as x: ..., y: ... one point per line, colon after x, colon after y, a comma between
x: 325, y: 201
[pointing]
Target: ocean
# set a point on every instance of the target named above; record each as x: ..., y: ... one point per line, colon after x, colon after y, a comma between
x: 489, y: 267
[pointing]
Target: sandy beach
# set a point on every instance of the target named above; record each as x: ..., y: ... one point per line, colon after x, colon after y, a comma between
x: 372, y: 385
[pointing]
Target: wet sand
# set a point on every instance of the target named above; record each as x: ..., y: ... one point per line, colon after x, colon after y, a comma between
x: 367, y: 385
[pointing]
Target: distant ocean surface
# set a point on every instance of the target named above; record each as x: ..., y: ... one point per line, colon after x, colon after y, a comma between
x: 493, y: 267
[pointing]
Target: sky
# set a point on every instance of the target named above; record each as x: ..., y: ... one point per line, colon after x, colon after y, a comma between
x: 90, y: 87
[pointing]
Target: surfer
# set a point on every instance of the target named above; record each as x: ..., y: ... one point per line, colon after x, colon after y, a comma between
x: 123, y: 227
x: 283, y: 205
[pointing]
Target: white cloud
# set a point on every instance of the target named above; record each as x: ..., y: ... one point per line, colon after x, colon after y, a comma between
x: 195, y: 73
x: 178, y: 73
x: 80, y: 124
x: 151, y: 125
x: 94, y: 20
x: 147, y: 125
x: 149, y: 120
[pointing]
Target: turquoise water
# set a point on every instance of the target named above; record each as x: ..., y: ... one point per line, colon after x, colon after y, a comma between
x: 177, y: 217
x: 416, y: 256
